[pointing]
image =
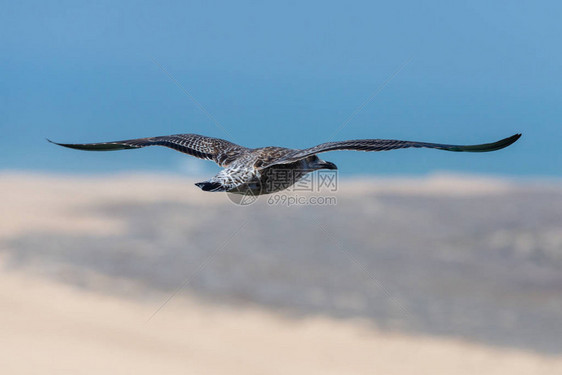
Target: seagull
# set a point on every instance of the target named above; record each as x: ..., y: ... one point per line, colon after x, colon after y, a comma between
x: 265, y: 170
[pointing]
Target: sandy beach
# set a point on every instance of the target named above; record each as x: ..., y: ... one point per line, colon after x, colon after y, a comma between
x: 86, y: 263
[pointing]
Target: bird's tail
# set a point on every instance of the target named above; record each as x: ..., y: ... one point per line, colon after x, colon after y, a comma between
x: 210, y: 186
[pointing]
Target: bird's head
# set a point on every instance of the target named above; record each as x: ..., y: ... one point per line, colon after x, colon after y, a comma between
x: 316, y: 163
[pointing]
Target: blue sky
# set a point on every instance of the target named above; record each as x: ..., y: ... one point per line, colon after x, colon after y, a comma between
x: 286, y: 74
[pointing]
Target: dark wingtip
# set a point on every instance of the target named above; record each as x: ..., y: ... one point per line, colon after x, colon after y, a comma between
x: 511, y: 140
x: 56, y: 143
x: 103, y: 146
x: 59, y: 144
x: 505, y: 142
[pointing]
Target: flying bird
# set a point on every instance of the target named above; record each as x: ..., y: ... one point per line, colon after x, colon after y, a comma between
x: 268, y: 170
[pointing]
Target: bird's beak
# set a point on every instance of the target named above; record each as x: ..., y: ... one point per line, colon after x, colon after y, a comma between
x: 328, y: 165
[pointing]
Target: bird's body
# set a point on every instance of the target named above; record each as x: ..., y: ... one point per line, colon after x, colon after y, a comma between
x: 267, y: 170
x: 243, y: 177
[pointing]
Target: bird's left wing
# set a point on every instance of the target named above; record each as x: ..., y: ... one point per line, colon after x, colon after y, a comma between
x: 218, y: 150
x: 391, y: 144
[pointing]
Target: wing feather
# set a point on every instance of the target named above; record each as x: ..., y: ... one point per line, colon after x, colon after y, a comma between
x: 218, y: 150
x: 391, y: 144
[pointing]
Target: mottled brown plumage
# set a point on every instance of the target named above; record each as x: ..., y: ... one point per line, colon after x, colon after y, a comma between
x: 254, y: 170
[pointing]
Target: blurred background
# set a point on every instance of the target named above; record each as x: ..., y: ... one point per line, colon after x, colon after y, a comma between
x: 430, y: 261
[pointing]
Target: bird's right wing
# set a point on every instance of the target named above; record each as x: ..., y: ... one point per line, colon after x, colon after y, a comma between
x: 218, y: 150
x: 390, y: 144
